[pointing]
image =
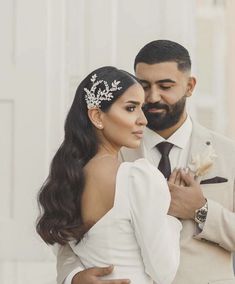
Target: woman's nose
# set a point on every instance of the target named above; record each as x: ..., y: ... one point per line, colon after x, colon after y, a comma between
x: 142, y: 119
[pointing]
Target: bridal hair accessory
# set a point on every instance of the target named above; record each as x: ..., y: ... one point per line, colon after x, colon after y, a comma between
x: 94, y: 97
x: 201, y: 164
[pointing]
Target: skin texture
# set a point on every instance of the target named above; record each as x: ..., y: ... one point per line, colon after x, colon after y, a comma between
x: 164, y: 83
x: 118, y: 126
x: 125, y: 121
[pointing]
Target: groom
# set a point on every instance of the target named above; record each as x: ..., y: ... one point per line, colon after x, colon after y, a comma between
x: 207, y: 212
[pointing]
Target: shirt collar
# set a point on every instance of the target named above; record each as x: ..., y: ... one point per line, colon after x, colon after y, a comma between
x: 179, y: 138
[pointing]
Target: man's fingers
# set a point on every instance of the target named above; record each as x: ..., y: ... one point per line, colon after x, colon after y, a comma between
x: 101, y: 271
x: 178, y: 178
x: 188, y: 177
x: 173, y: 176
x: 173, y: 186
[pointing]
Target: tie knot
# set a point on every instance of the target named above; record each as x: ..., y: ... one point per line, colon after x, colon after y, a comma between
x: 164, y: 148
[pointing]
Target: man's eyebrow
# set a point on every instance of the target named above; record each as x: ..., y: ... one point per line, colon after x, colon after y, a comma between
x: 159, y: 81
x: 165, y: 81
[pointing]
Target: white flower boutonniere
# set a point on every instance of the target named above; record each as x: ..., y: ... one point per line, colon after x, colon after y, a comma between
x: 202, y: 163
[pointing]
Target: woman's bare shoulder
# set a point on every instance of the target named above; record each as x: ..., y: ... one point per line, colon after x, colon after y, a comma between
x: 100, y: 184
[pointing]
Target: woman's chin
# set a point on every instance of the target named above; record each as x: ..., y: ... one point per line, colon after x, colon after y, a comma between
x: 133, y: 145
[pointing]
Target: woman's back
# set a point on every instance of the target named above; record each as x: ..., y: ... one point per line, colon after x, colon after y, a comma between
x: 140, y: 202
x: 99, y: 190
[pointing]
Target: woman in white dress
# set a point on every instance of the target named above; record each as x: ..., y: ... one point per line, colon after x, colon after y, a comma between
x: 109, y: 213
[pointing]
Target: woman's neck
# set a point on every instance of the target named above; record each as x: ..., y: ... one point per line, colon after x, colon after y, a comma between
x: 107, y: 151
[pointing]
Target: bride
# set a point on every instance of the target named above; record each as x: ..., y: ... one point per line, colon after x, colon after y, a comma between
x: 109, y: 212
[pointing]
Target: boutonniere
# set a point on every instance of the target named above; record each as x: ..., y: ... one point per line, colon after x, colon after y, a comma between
x: 203, y: 162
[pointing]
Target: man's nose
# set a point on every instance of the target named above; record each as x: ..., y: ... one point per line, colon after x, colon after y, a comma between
x: 153, y: 95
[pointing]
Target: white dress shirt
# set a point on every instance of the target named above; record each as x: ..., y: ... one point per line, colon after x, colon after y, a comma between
x: 179, y: 154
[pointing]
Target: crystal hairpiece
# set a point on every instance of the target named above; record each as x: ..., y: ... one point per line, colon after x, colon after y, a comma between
x: 94, y: 98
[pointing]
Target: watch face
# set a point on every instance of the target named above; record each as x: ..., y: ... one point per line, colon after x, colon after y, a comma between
x: 202, y: 212
x: 200, y: 216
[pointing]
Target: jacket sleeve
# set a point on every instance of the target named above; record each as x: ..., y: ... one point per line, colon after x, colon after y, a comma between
x: 67, y: 262
x: 156, y: 232
x: 219, y: 227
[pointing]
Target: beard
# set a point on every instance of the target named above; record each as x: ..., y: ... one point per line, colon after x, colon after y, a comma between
x: 166, y: 119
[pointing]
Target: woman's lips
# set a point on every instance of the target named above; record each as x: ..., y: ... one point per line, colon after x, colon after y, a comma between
x: 138, y: 133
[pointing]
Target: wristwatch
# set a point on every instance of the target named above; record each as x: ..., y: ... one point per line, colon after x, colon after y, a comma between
x: 201, y: 213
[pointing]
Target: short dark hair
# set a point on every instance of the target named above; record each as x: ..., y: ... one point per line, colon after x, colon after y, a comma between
x: 159, y: 51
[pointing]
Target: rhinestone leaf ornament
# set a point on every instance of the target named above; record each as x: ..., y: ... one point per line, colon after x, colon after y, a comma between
x: 96, y: 95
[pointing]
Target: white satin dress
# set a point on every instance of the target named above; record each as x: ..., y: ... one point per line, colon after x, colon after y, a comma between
x: 136, y: 235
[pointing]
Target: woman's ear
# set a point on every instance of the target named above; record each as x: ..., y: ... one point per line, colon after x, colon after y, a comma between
x: 95, y: 117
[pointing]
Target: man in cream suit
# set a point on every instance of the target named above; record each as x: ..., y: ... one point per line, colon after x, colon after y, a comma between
x: 206, y: 210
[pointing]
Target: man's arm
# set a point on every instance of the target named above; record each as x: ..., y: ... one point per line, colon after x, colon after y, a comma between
x: 68, y: 264
x: 67, y: 261
x: 219, y: 225
x: 92, y: 276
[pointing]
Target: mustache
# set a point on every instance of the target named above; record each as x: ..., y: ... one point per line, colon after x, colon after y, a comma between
x: 156, y: 105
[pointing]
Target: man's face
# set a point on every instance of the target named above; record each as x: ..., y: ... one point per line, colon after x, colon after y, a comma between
x: 166, y: 89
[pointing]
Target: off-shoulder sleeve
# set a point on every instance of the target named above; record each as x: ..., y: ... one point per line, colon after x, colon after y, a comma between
x: 156, y: 232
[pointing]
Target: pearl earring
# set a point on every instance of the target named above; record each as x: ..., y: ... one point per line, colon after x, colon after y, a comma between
x: 99, y: 125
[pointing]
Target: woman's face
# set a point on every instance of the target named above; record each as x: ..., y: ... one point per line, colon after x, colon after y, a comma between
x: 125, y: 121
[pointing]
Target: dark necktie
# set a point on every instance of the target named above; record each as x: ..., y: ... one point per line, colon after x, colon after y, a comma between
x: 164, y: 164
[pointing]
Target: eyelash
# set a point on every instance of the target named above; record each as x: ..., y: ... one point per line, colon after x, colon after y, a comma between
x: 145, y: 87
x: 165, y: 87
x: 130, y: 108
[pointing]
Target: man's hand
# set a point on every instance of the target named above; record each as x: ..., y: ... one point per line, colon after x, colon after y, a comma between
x: 186, y: 195
x: 91, y: 276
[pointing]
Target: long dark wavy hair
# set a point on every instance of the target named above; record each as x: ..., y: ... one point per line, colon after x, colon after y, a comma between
x: 60, y: 196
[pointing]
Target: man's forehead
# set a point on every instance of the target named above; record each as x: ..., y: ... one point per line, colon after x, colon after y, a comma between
x: 164, y: 71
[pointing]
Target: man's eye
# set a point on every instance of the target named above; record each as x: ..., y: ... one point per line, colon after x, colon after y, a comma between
x: 165, y: 87
x: 145, y: 87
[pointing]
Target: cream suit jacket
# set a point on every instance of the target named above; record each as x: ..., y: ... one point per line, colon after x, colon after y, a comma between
x: 206, y: 256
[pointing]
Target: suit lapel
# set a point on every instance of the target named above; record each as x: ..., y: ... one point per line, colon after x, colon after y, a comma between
x: 200, y: 140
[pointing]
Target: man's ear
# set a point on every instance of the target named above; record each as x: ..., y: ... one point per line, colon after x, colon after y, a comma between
x: 191, y: 85
x: 95, y: 117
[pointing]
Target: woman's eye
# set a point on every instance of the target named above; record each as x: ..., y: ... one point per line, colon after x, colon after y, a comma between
x: 131, y: 108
